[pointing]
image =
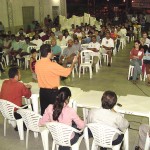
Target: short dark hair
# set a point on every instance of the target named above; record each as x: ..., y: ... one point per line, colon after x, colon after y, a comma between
x: 45, y: 49
x: 109, y: 99
x: 12, y: 72
x: 33, y: 50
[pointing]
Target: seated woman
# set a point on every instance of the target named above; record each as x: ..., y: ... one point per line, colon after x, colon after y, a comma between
x: 62, y: 113
x: 146, y: 61
x: 136, y: 55
x: 112, y: 118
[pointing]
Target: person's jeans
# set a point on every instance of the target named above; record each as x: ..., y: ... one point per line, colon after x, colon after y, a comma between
x: 137, y: 69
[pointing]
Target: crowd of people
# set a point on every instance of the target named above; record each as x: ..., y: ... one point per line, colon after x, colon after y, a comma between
x: 53, y: 65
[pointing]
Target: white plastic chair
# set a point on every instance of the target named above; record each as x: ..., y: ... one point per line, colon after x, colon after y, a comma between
x: 31, y: 120
x: 86, y: 61
x: 130, y: 72
x: 103, y: 136
x: 47, y: 42
x: 7, y: 110
x: 145, y: 75
x: 147, y: 143
x: 73, y: 71
x: 61, y: 134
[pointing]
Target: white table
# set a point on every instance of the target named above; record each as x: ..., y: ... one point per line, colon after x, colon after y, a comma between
x: 135, y: 105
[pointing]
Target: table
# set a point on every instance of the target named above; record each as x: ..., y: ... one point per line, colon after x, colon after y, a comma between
x: 134, y: 105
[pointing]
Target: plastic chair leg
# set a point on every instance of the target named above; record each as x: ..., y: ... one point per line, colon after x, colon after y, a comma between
x: 27, y: 138
x: 20, y: 128
x: 86, y: 138
x: 44, y: 135
x: 5, y: 122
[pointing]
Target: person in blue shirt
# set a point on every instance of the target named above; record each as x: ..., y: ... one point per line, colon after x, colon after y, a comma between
x: 56, y: 50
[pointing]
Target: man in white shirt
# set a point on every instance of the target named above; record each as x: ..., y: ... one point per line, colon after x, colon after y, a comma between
x: 38, y: 42
x: 107, y: 115
x: 108, y: 45
x: 144, y: 40
x: 94, y: 46
x: 61, y: 41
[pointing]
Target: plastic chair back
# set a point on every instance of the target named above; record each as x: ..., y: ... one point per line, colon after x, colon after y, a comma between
x: 61, y: 133
x: 30, y: 48
x: 30, y: 118
x: 7, y: 109
x: 86, y: 57
x: 103, y: 134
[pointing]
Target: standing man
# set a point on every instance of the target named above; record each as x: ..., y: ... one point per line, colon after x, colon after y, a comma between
x: 48, y: 75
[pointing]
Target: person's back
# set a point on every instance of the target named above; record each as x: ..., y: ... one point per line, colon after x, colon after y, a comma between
x: 61, y: 112
x: 13, y: 90
x: 107, y: 114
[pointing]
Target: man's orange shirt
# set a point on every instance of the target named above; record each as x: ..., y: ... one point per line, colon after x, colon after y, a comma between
x: 48, y: 73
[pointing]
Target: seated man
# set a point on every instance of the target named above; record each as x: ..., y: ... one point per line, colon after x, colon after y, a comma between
x: 13, y: 90
x: 68, y: 54
x: 56, y: 50
x: 143, y: 130
x: 112, y: 118
x: 61, y: 41
x: 94, y: 46
x: 108, y: 45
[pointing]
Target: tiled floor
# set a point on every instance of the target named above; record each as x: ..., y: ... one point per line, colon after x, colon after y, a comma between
x: 108, y: 78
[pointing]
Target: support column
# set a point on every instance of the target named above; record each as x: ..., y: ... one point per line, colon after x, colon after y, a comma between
x: 10, y: 15
x: 41, y: 12
x: 63, y: 7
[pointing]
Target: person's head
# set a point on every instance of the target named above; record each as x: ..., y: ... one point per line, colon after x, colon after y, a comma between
x: 33, y: 53
x: 45, y: 50
x: 107, y: 35
x: 53, y: 42
x: 137, y: 44
x: 14, y: 73
x: 70, y: 43
x: 36, y: 36
x: 109, y: 99
x: 60, y: 36
x: 27, y: 39
x: 62, y: 99
x: 17, y: 38
x: 76, y: 41
x: 144, y: 35
x: 94, y: 39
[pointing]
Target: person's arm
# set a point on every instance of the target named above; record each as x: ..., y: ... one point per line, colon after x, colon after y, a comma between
x: 80, y: 123
x: 26, y: 92
x: 122, y: 123
x: 46, y: 117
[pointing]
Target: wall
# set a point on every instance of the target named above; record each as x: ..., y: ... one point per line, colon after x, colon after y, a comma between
x: 41, y: 10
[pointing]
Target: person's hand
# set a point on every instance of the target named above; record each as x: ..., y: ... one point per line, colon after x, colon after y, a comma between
x: 75, y: 59
x: 28, y: 86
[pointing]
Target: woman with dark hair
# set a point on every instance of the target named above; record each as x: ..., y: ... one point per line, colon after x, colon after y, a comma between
x: 62, y: 113
x: 136, y: 56
x: 146, y: 61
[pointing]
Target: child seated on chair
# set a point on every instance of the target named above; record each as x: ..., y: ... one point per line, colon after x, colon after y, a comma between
x: 61, y: 112
x: 32, y: 64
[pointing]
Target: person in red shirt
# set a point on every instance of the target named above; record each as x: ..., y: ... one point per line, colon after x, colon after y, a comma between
x: 136, y: 55
x: 12, y: 90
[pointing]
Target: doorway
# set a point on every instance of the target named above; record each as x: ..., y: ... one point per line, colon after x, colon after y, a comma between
x: 28, y: 16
